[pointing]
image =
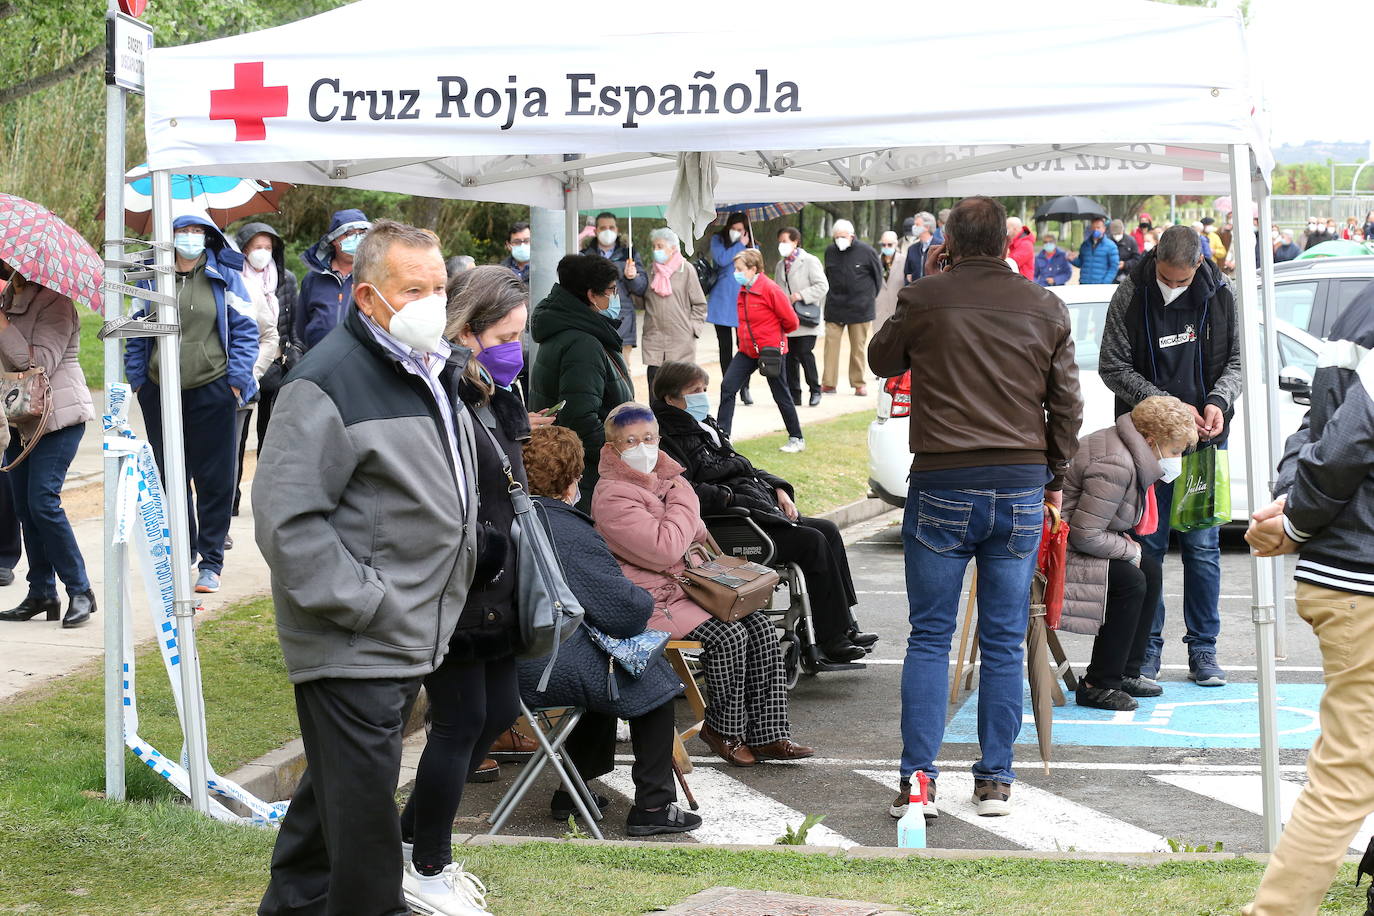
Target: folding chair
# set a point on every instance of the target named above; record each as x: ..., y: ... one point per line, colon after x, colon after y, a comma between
x: 552, y: 726
x: 692, y: 690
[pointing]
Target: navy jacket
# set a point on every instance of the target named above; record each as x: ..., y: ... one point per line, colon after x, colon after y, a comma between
x: 614, y: 605
x: 324, y: 292
x: 1052, y: 266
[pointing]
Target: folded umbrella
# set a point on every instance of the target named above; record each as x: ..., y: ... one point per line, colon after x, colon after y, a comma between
x: 45, y: 250
x: 1040, y: 672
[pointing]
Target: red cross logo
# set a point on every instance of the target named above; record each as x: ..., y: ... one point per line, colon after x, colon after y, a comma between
x: 248, y: 103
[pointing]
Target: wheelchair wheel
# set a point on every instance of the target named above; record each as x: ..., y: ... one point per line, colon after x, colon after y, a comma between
x: 791, y: 658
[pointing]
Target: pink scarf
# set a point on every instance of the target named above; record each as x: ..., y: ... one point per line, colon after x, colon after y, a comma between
x: 662, y: 282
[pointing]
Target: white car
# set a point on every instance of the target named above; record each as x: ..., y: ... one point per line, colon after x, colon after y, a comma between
x: 889, y: 452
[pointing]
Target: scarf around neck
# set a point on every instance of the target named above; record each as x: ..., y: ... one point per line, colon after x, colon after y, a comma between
x: 662, y: 282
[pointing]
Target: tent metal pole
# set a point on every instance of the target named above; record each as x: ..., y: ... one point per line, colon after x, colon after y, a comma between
x: 1257, y: 467
x: 116, y: 556
x: 1271, y: 391
x: 174, y: 480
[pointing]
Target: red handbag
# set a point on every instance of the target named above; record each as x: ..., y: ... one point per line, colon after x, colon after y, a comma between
x: 1054, y: 546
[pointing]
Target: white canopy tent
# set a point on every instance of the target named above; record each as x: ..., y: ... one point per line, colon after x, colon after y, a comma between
x: 570, y: 112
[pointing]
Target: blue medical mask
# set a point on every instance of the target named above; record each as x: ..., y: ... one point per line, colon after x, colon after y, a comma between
x: 189, y: 244
x: 613, y: 310
x: 889, y: 250
x: 742, y: 280
x: 661, y: 256
x: 1050, y: 247
x: 698, y: 405
x: 350, y: 245
x: 521, y: 252
x: 1097, y: 234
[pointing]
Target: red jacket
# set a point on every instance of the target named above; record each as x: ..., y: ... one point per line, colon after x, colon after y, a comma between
x: 766, y: 317
x: 1022, y: 250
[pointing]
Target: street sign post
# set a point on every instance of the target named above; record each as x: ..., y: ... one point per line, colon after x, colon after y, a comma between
x: 127, y: 43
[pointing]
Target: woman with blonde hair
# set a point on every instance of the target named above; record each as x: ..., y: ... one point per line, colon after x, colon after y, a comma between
x: 1111, y: 584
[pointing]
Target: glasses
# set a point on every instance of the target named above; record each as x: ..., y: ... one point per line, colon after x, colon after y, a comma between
x: 646, y: 439
x: 610, y: 290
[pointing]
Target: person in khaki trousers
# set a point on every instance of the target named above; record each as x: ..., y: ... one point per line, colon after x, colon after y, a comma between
x: 856, y: 275
x: 1325, y: 514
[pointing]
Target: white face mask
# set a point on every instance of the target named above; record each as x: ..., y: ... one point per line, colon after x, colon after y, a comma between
x: 259, y: 258
x: 734, y: 236
x: 842, y: 242
x: 606, y: 237
x: 1173, y: 467
x: 642, y: 457
x: 420, y: 325
x: 786, y: 248
x: 1170, y: 293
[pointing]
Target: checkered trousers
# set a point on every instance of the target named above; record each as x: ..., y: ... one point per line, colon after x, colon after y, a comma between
x: 744, y: 678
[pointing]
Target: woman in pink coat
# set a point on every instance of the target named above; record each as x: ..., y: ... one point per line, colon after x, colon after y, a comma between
x: 649, y: 515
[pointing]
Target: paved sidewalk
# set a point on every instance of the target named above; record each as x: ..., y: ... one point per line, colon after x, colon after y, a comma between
x: 37, y: 651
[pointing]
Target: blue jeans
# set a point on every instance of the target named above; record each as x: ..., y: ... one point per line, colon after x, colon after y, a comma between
x: 48, y: 538
x: 943, y: 530
x: 1201, y: 579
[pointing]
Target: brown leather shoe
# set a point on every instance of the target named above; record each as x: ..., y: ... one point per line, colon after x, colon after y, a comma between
x: 782, y: 749
x: 731, y: 750
x: 489, y: 771
x: 513, y: 744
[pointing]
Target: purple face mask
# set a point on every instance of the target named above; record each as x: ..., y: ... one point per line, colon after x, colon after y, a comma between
x: 504, y: 362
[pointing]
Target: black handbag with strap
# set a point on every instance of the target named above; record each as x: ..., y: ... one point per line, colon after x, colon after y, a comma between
x: 770, y: 358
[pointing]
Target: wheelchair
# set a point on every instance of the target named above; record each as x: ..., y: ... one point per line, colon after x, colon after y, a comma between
x: 738, y: 535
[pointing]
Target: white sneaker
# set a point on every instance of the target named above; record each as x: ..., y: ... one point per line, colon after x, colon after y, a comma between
x: 452, y: 892
x: 407, y: 851
x: 794, y: 445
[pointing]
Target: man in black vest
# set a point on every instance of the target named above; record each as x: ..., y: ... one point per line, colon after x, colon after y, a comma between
x: 1172, y: 329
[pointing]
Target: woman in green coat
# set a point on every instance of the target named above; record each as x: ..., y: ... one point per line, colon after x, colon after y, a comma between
x: 578, y: 362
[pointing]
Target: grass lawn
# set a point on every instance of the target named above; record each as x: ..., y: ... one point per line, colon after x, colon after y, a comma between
x: 64, y: 850
x: 92, y: 352
x: 831, y: 472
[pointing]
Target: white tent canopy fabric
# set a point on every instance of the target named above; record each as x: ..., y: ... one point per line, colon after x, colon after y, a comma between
x: 439, y: 99
x: 567, y: 110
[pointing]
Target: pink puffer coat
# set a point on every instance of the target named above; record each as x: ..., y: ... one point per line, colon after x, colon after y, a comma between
x: 44, y: 330
x: 649, y: 521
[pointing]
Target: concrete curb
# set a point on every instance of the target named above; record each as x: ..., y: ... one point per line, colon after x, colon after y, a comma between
x: 861, y: 510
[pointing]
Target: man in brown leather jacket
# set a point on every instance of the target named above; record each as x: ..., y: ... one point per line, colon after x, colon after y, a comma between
x: 995, y: 412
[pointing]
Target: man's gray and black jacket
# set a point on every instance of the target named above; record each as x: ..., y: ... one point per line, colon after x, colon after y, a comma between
x: 1327, y: 469
x: 359, y: 515
x: 1129, y: 352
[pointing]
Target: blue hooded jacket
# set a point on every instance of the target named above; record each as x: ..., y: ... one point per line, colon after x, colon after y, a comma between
x: 324, y: 292
x: 1098, y: 260
x: 238, y: 330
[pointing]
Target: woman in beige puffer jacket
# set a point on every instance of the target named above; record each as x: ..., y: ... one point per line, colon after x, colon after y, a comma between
x: 40, y: 327
x: 1110, y: 586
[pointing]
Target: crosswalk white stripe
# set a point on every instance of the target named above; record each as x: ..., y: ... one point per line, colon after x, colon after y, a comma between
x: 1082, y: 665
x: 1245, y: 792
x: 1144, y: 766
x: 1039, y: 820
x: 731, y: 812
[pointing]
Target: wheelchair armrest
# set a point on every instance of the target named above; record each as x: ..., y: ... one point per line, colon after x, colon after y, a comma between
x: 729, y: 512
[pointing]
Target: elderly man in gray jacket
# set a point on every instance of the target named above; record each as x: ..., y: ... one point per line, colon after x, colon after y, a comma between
x: 365, y: 502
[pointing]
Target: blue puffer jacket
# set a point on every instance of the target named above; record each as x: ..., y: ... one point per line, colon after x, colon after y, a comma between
x: 722, y: 303
x: 325, y: 292
x: 614, y: 605
x: 238, y: 329
x: 1098, y: 261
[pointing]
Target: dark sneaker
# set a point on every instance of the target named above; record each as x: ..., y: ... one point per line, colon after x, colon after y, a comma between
x: 1203, y: 669
x: 1139, y: 687
x: 902, y: 802
x: 1149, y: 669
x: 561, y: 806
x: 1103, y: 698
x: 992, y: 797
x: 668, y: 819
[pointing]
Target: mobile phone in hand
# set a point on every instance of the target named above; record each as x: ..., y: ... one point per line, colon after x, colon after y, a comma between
x: 552, y: 411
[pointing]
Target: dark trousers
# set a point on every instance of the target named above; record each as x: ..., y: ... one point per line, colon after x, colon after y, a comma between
x: 207, y: 421
x: 592, y: 749
x: 11, y: 538
x: 741, y: 367
x: 471, y: 704
x: 241, y: 435
x: 816, y: 546
x: 36, y: 484
x: 650, y: 372
x: 801, y: 359
x: 727, y: 338
x: 339, y: 849
x: 1119, y: 649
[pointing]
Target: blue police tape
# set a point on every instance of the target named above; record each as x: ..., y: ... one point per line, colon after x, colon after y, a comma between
x: 141, y: 523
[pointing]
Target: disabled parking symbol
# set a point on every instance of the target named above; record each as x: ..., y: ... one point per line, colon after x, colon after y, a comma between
x: 1184, y: 716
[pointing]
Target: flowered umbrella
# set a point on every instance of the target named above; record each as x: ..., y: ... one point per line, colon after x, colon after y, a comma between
x: 220, y: 197
x: 760, y: 212
x: 45, y: 250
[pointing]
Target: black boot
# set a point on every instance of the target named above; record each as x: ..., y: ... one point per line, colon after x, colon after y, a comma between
x: 32, y: 606
x: 746, y: 397
x: 861, y: 639
x: 840, y: 649
x: 79, y: 609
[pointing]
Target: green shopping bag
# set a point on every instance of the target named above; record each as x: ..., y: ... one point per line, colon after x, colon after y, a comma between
x: 1202, y: 493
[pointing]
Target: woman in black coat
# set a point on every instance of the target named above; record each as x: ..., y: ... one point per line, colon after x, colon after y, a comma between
x: 582, y: 672
x: 723, y: 478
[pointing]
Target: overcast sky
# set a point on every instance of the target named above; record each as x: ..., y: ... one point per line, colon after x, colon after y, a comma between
x: 1316, y: 65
